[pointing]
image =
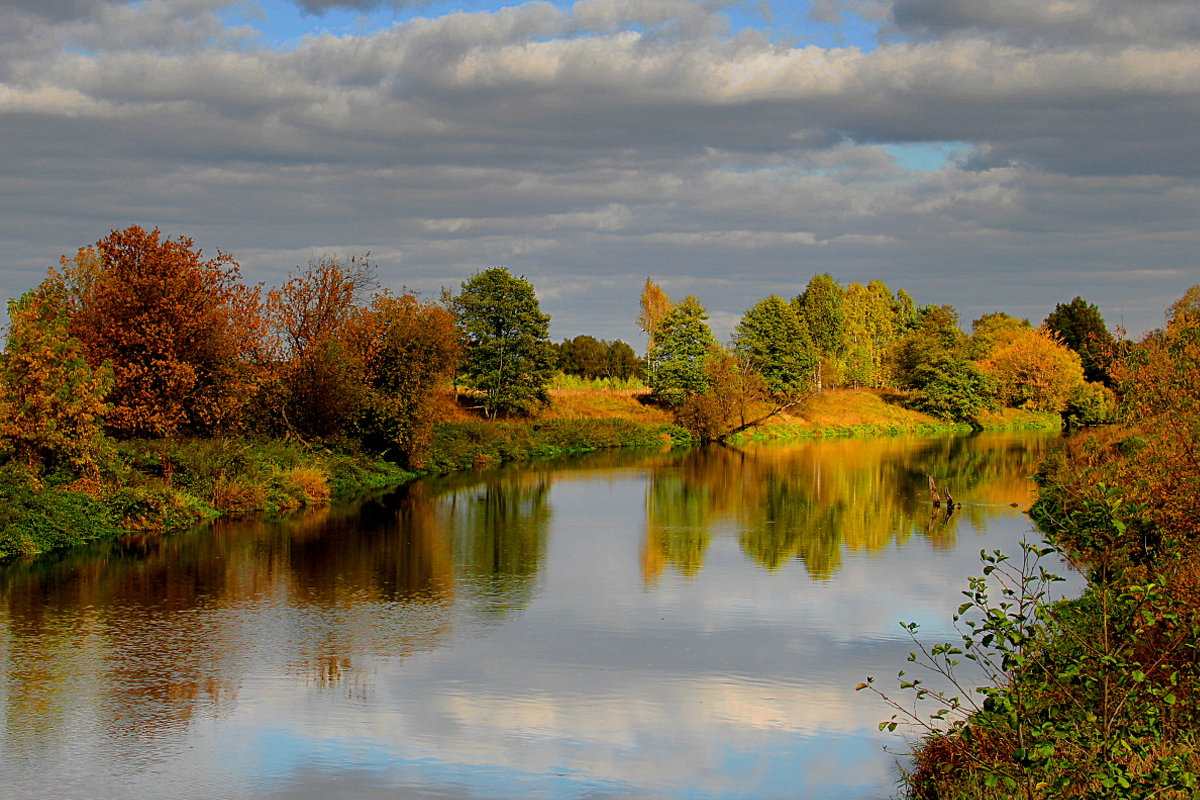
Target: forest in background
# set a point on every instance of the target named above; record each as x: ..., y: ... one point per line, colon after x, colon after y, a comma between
x: 145, y: 385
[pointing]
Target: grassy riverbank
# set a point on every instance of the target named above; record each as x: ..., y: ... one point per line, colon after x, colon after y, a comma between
x: 165, y: 485
x: 833, y: 413
x: 170, y: 484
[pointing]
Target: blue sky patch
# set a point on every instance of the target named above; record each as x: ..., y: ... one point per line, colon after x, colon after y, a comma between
x: 283, y: 24
x: 924, y: 156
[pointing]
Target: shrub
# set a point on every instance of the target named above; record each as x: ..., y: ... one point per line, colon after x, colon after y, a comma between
x: 35, y: 518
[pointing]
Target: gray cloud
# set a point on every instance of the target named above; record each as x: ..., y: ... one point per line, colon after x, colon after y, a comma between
x: 321, y: 6
x: 1145, y: 22
x: 52, y: 9
x: 587, y: 154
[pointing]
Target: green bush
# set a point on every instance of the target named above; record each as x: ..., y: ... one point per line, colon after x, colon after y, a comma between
x: 1092, y: 404
x: 955, y: 391
x: 1089, y: 698
x: 35, y: 518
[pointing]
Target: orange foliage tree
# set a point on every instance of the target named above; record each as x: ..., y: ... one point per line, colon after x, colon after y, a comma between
x: 1032, y: 369
x: 180, y: 332
x: 1159, y: 383
x: 655, y: 307
x: 352, y: 368
x: 415, y: 345
x: 51, y: 401
x: 322, y: 342
x: 1147, y: 470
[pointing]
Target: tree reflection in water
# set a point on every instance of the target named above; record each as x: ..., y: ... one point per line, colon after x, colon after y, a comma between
x: 152, y: 634
x: 812, y: 501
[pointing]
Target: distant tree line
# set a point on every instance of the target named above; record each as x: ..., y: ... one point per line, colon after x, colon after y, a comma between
x: 597, y: 359
x: 858, y: 336
x: 141, y: 335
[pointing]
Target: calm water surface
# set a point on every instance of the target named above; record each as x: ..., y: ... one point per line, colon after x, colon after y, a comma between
x: 628, y: 625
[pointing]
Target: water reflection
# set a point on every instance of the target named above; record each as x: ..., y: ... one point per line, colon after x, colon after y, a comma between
x: 625, y: 624
x: 499, y: 528
x: 814, y: 501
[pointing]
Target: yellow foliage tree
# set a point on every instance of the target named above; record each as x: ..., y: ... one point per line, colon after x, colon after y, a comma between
x: 52, y: 403
x: 656, y: 305
x: 1033, y: 370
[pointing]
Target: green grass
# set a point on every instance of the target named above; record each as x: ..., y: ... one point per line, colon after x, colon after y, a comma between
x: 35, y: 518
x: 563, y: 382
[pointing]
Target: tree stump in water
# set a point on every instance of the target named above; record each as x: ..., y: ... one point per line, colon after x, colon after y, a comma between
x: 937, y: 497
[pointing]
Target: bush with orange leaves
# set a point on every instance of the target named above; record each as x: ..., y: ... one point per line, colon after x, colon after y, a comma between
x: 1153, y: 459
x: 415, y: 346
x: 179, y: 331
x: 320, y: 343
x: 1159, y: 383
x: 355, y: 368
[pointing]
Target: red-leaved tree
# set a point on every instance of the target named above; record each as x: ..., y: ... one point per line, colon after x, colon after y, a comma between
x: 182, y: 333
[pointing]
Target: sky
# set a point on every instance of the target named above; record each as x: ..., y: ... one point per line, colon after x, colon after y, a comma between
x: 987, y: 154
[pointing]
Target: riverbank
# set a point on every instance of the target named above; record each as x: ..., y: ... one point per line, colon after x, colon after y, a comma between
x: 832, y: 413
x: 1097, y: 696
x: 169, y: 485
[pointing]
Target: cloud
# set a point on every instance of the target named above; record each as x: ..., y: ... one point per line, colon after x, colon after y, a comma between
x: 53, y: 9
x: 611, y: 140
x: 1148, y: 23
x: 321, y: 6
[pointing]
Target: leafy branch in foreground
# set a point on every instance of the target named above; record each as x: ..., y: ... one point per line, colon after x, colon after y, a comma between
x: 1080, y: 698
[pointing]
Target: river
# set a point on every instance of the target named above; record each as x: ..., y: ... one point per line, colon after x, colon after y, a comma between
x: 632, y: 624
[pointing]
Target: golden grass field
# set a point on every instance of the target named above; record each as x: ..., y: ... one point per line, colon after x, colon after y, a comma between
x: 836, y: 409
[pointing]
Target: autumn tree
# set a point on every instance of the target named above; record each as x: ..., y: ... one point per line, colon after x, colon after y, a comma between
x: 1080, y: 326
x: 1034, y: 370
x: 508, y: 358
x: 994, y: 330
x: 676, y: 362
x: 732, y: 401
x: 870, y: 328
x: 322, y: 341
x: 52, y: 403
x: 178, y: 330
x: 1151, y: 464
x: 655, y: 307
x: 414, y: 346
x: 821, y: 306
x: 904, y: 313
